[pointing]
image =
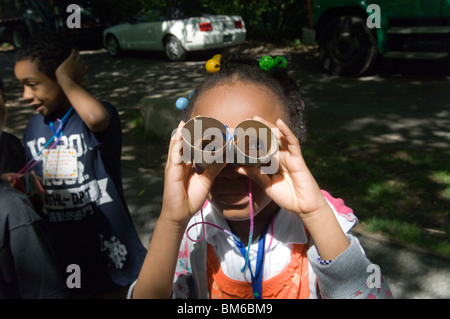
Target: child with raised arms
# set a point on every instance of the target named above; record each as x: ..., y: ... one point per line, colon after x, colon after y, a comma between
x: 74, y: 143
x: 233, y: 231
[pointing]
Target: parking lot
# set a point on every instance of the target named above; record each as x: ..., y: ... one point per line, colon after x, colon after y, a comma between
x: 406, y: 106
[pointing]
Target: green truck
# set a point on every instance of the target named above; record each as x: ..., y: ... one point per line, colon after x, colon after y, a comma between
x: 353, y: 34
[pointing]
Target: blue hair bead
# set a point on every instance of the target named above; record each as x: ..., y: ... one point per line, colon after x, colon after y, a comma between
x: 182, y: 103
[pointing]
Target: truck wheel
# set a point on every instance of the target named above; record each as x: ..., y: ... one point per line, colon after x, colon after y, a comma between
x: 347, y: 46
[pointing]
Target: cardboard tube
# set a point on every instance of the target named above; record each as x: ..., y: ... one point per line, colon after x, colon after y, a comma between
x: 255, y: 143
x: 205, y: 138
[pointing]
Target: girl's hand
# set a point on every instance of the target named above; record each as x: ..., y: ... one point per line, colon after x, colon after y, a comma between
x: 185, y: 191
x: 292, y: 187
x: 74, y: 68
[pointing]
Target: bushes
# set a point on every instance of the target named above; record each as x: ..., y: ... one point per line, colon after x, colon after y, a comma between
x: 269, y: 20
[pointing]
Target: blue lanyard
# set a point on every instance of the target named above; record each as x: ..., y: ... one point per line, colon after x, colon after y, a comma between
x: 61, y: 123
x: 257, y: 276
x: 57, y: 135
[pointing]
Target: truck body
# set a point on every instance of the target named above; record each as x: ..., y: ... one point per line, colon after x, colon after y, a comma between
x: 350, y: 42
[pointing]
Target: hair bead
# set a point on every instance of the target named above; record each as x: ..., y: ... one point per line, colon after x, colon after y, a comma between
x: 266, y: 63
x: 182, y: 103
x: 213, y: 64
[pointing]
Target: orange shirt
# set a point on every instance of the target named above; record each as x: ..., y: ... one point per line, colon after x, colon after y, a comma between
x: 291, y: 283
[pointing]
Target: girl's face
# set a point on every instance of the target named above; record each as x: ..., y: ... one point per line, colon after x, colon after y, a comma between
x: 231, y: 104
x: 42, y: 93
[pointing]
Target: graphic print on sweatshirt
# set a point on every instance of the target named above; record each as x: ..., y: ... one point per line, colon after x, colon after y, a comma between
x: 72, y: 199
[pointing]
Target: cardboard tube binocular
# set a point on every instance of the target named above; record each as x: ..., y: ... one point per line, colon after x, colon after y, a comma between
x: 207, y: 140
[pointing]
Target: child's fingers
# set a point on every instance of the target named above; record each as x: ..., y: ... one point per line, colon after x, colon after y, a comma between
x: 293, y: 145
x: 210, y: 173
x: 175, y: 146
x: 254, y: 173
x: 176, y: 136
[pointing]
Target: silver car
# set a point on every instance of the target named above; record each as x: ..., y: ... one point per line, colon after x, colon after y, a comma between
x: 175, y: 31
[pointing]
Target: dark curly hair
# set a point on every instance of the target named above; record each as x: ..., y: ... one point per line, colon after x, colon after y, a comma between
x: 50, y: 49
x: 243, y: 68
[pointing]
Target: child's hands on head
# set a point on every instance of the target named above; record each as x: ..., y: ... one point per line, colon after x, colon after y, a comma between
x: 74, y: 68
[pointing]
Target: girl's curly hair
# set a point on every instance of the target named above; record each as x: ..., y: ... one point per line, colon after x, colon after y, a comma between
x: 243, y: 68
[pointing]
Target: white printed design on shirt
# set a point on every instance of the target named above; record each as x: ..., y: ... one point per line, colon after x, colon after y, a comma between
x: 117, y: 251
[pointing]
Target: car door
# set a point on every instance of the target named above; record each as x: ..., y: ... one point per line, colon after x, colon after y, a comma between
x: 146, y: 31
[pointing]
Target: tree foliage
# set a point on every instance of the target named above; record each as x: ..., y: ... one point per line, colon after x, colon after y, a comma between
x: 273, y: 20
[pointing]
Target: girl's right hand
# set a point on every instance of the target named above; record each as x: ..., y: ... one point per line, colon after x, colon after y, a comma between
x: 185, y: 191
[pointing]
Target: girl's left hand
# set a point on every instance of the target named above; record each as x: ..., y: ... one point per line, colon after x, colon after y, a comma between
x: 292, y: 187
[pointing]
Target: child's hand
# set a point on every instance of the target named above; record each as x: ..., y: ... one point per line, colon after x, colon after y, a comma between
x: 9, y: 177
x: 73, y: 67
x: 184, y: 190
x: 292, y: 187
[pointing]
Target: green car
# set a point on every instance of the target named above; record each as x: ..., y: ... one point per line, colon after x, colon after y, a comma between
x: 353, y: 34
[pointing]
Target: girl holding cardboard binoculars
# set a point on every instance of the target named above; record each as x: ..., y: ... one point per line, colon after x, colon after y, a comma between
x: 229, y: 229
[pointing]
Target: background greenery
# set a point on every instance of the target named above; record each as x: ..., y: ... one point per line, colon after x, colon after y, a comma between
x: 274, y: 20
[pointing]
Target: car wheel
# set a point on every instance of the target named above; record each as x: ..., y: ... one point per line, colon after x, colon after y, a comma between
x: 113, y: 46
x: 348, y: 47
x: 174, y: 50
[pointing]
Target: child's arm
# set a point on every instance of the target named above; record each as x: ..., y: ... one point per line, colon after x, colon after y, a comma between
x: 184, y: 194
x: 70, y: 75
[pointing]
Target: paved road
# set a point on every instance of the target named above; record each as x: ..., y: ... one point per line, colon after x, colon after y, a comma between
x: 409, y: 105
